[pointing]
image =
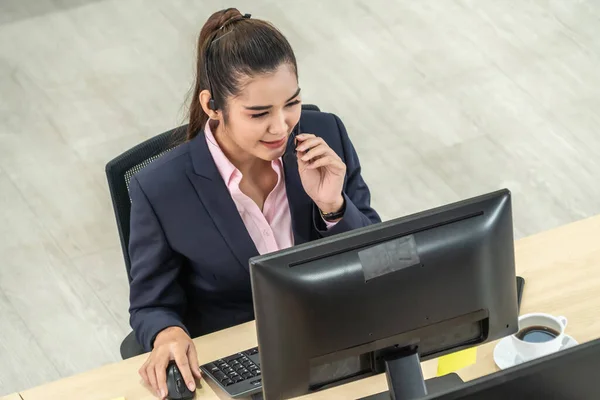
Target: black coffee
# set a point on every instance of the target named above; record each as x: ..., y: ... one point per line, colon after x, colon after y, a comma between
x: 537, y: 334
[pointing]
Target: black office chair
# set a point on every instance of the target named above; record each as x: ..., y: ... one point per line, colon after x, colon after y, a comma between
x: 118, y: 172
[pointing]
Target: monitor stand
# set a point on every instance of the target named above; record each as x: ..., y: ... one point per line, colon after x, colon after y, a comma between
x: 405, y: 377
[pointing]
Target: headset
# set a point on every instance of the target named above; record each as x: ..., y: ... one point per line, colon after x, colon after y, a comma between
x: 211, y: 103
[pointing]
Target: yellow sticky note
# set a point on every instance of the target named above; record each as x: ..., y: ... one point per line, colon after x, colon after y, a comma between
x: 455, y: 361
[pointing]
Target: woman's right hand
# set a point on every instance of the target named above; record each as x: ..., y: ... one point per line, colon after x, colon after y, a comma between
x: 172, y: 343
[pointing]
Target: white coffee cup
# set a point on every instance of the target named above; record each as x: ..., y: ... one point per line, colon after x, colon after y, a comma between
x: 529, y: 350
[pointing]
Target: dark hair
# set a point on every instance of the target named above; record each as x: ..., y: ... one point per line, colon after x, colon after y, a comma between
x: 239, y: 48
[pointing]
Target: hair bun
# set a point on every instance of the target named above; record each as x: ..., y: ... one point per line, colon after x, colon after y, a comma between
x: 227, y: 17
x: 217, y: 21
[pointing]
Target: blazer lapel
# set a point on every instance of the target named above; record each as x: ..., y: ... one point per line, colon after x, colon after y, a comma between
x: 301, y: 205
x: 213, y: 193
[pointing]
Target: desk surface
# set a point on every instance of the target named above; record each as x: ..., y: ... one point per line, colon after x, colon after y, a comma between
x: 560, y: 267
x: 14, y: 396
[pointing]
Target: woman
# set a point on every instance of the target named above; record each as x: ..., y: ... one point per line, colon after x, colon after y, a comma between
x: 240, y: 185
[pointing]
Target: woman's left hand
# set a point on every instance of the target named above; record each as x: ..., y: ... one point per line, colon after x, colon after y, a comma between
x: 322, y: 172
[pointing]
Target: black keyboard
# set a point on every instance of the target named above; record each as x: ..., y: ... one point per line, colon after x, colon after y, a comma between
x: 238, y: 375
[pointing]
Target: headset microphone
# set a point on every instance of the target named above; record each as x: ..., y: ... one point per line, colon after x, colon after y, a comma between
x: 290, y: 156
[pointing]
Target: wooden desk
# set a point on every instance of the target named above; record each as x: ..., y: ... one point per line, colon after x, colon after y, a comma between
x: 562, y: 272
x: 14, y: 396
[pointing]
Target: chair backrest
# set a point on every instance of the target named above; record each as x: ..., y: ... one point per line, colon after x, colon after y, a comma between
x: 120, y: 170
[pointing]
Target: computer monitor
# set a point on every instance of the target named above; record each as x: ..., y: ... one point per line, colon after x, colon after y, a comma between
x: 569, y: 374
x: 384, y: 297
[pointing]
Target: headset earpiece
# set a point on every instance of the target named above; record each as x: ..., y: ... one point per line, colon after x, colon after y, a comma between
x: 211, y: 104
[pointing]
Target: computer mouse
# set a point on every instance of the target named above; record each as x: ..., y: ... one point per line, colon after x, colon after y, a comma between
x: 178, y: 390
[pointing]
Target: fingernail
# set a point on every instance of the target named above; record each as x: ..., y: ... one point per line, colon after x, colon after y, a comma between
x: 191, y: 386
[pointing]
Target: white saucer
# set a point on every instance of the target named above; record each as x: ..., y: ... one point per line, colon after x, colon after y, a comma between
x: 505, y: 355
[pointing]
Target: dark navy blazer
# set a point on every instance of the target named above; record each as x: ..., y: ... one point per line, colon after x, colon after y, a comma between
x: 189, y: 247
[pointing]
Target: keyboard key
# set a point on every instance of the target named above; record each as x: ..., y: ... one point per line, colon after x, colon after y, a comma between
x: 256, y: 382
x: 257, y: 372
x: 233, y: 357
x: 247, y: 375
x: 252, y: 352
x: 227, y: 382
x: 253, y: 367
x: 212, y: 368
x: 228, y: 370
x: 219, y: 375
x: 237, y: 379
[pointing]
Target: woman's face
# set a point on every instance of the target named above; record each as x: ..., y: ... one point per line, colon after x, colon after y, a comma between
x: 261, y: 118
